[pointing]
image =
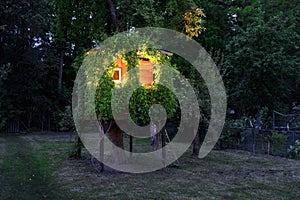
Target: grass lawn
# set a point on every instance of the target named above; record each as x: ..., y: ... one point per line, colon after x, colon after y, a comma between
x: 37, y: 166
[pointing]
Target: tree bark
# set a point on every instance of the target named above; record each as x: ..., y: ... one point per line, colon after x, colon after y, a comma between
x: 61, y: 69
x: 115, y: 135
x: 77, y: 148
x: 113, y: 14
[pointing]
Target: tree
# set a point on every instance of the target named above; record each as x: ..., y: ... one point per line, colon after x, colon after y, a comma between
x: 4, y: 72
x: 24, y: 47
x: 262, y: 66
x: 183, y: 16
x: 77, y: 26
x: 141, y: 100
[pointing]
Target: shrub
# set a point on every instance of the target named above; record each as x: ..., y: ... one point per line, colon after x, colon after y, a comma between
x: 277, y: 141
x: 66, y: 122
x: 294, y: 151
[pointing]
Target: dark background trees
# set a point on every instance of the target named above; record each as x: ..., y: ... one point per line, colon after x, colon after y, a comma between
x: 42, y: 43
x: 261, y: 68
x: 25, y: 40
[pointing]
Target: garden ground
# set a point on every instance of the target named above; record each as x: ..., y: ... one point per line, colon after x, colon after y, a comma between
x: 37, y: 166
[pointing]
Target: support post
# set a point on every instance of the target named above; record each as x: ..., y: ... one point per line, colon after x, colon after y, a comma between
x: 101, y: 153
x: 163, y: 143
x: 130, y: 144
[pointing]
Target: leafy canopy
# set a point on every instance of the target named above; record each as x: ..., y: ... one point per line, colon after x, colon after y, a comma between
x: 144, y: 97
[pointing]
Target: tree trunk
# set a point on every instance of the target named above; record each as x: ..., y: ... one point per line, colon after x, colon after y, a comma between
x: 78, y: 147
x: 115, y: 135
x: 61, y: 69
x: 29, y: 120
x: 42, y: 122
x: 49, y: 123
x: 113, y: 14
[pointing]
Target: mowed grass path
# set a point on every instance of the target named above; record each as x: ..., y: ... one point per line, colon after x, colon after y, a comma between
x: 37, y: 167
x: 26, y: 170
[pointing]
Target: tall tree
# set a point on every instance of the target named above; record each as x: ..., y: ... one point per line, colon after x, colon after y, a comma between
x: 24, y: 44
x: 180, y: 15
x: 63, y: 13
x: 262, y: 63
x: 183, y: 16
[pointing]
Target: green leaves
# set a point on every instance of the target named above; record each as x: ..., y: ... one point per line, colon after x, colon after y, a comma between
x: 261, y: 61
x: 142, y: 98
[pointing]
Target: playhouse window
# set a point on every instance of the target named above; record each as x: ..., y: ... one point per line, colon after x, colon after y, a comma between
x: 117, y: 77
x: 146, y: 74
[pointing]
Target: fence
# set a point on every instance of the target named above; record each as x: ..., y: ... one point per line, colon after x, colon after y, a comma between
x: 286, y: 121
x: 12, y: 126
x: 26, y: 124
x: 258, y: 141
x: 267, y: 142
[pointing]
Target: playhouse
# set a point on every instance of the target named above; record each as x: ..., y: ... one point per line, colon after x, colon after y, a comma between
x: 146, y: 75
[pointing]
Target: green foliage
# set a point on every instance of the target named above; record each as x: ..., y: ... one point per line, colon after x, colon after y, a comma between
x: 66, y: 122
x: 143, y: 98
x: 25, y: 47
x: 254, y: 43
x: 296, y: 108
x: 264, y: 114
x: 4, y: 71
x: 255, y: 60
x: 294, y: 150
x: 276, y: 138
x: 230, y: 138
x: 104, y: 95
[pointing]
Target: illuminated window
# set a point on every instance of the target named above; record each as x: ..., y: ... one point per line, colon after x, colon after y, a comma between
x: 117, y: 77
x: 146, y: 72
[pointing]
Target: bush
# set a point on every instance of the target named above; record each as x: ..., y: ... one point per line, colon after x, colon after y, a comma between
x: 231, y: 135
x: 276, y: 143
x: 294, y: 151
x: 230, y: 138
x: 66, y: 122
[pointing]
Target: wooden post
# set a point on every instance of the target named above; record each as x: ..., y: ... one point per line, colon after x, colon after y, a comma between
x: 101, y: 153
x: 163, y: 143
x: 130, y: 144
x: 249, y: 135
x: 101, y: 145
